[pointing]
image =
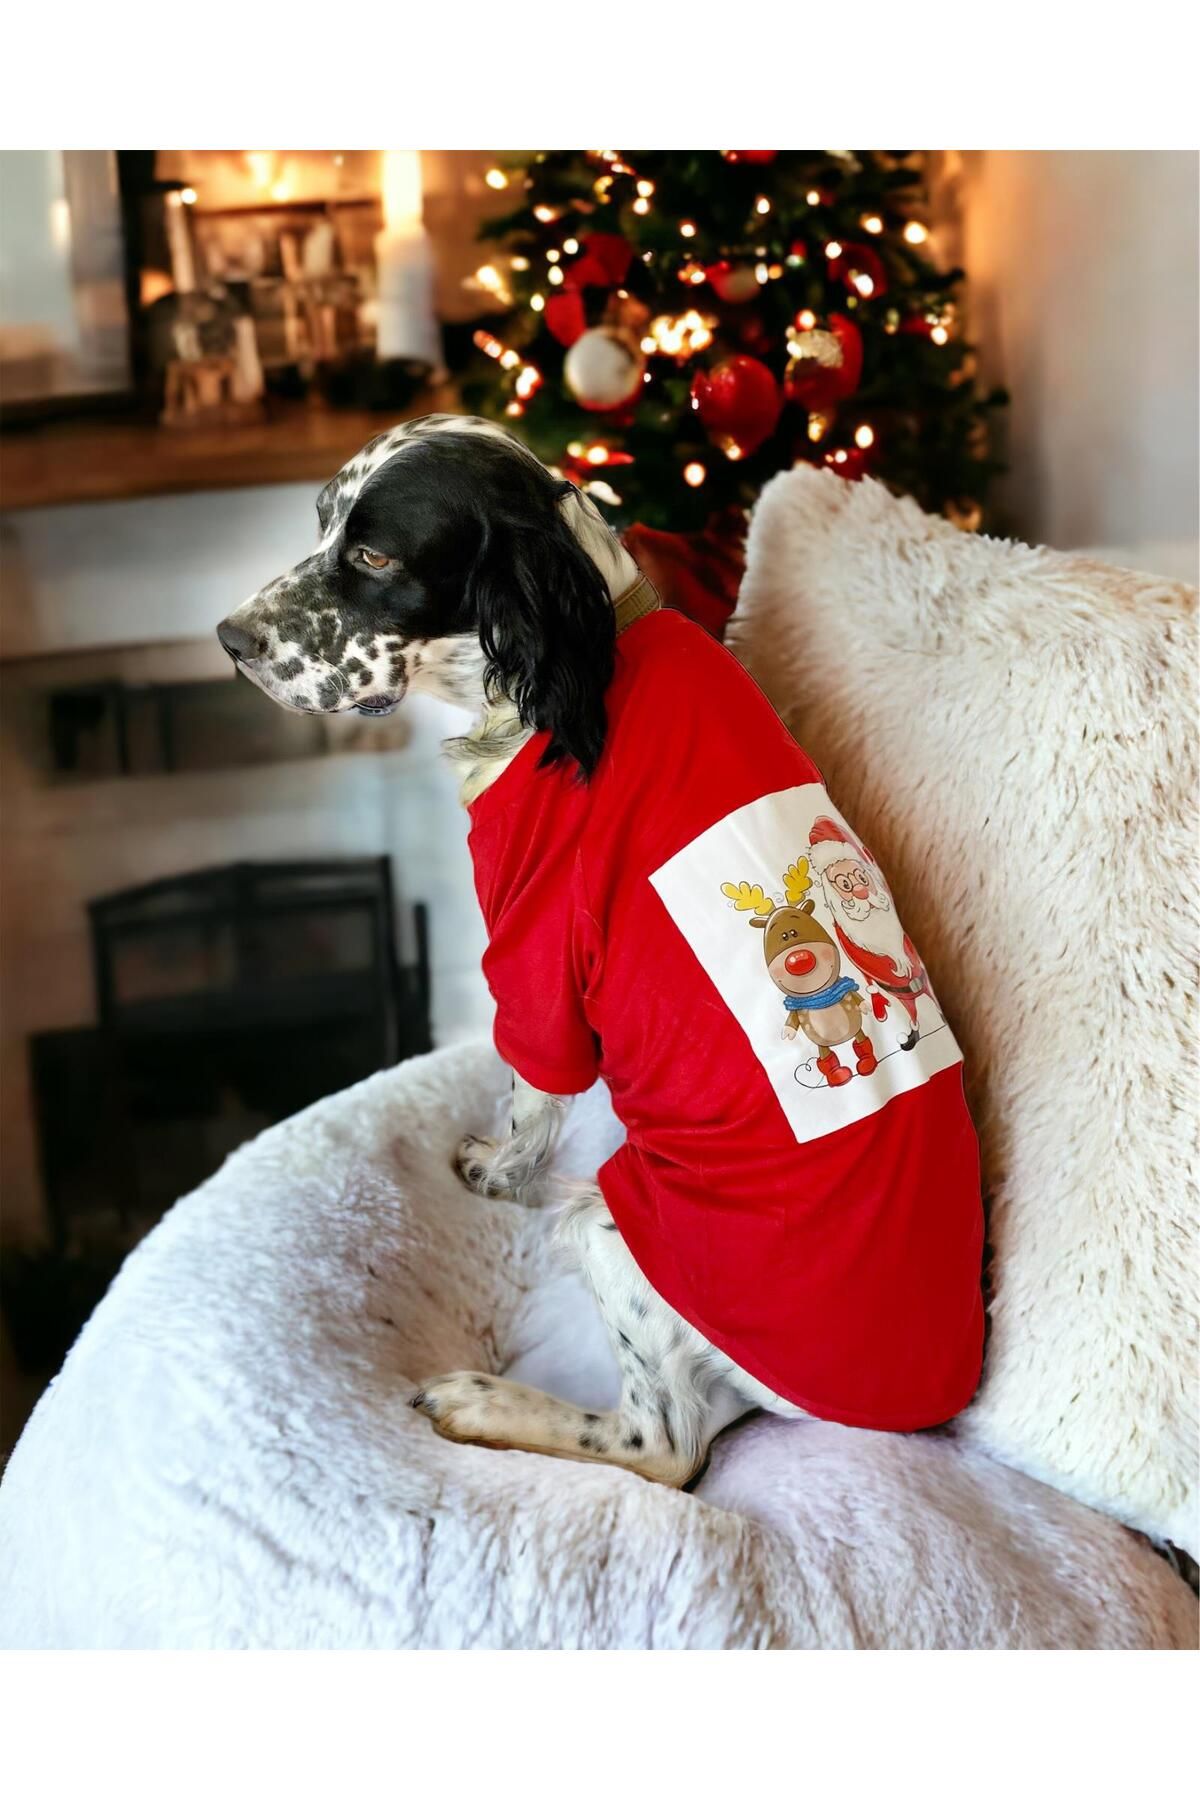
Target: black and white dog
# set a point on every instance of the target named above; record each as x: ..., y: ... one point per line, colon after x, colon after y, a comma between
x: 452, y: 562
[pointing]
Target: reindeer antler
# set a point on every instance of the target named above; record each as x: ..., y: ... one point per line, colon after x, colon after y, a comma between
x: 797, y: 881
x: 748, y: 899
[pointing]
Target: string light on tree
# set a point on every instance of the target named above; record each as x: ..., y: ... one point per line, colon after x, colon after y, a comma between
x: 490, y: 278
x: 679, y: 335
x: 496, y: 178
x: 915, y: 232
x: 694, y: 474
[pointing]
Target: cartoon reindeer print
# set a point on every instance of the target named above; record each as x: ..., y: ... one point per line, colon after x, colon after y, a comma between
x: 805, y: 964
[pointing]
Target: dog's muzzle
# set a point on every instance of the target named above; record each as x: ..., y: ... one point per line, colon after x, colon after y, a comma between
x: 239, y: 643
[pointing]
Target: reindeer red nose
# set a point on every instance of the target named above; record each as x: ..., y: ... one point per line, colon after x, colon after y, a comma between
x: 799, y: 962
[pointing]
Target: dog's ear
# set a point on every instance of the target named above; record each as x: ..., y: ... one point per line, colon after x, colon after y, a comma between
x: 547, y: 628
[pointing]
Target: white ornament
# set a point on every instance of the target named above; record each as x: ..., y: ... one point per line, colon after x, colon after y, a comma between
x: 603, y: 369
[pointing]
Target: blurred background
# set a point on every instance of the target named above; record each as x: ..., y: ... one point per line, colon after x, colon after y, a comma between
x: 211, y: 911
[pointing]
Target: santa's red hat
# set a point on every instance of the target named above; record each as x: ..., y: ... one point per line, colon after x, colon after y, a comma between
x: 829, y: 842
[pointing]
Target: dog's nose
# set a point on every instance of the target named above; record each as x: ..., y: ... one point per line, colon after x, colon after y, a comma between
x: 242, y: 645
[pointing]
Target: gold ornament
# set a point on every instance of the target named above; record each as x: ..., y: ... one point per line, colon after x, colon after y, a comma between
x: 967, y: 515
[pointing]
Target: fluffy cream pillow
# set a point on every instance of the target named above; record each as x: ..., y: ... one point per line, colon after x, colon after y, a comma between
x: 1013, y: 732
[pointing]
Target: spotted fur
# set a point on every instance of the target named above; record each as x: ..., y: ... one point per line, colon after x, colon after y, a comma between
x: 332, y: 635
x: 677, y: 1391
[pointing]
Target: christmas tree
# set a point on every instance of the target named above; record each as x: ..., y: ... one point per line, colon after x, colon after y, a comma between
x: 671, y: 327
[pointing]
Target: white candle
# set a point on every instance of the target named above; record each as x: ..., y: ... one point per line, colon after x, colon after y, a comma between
x: 179, y: 242
x: 407, y: 326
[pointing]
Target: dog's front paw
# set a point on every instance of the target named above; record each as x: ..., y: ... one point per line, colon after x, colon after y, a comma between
x: 473, y: 1161
x: 463, y: 1406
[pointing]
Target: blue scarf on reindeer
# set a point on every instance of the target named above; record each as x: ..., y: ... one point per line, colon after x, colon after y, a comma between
x: 829, y: 996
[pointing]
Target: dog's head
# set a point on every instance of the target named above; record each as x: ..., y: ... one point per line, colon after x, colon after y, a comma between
x: 450, y: 559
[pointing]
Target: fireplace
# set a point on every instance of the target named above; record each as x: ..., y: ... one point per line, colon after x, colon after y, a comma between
x: 226, y: 999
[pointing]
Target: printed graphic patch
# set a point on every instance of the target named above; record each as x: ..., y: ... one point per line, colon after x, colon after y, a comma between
x: 790, y: 917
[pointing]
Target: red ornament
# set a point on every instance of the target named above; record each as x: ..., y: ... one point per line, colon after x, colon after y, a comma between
x: 826, y: 364
x: 604, y: 261
x: 750, y: 156
x: 734, y: 283
x: 739, y: 403
x: 564, y: 316
x: 859, y: 265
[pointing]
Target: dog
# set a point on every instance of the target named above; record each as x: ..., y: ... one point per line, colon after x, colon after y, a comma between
x: 451, y: 561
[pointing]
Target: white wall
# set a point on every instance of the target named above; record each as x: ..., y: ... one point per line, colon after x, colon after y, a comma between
x: 1082, y: 280
x: 145, y: 571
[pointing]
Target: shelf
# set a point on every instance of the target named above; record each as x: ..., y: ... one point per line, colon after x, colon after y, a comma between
x: 65, y: 462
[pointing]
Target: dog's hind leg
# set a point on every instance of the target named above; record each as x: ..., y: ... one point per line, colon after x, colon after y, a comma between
x: 675, y: 1395
x: 509, y: 1168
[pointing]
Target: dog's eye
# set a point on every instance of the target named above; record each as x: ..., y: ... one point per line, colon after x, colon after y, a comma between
x: 375, y: 559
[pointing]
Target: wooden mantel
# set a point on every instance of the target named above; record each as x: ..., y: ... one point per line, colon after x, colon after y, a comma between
x: 75, y: 460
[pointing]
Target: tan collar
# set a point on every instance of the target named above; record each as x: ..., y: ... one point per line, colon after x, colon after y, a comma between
x: 635, y: 603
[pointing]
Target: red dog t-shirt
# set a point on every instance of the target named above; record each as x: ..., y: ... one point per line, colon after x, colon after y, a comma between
x: 701, y: 927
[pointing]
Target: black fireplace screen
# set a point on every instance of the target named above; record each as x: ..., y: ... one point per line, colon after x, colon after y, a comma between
x: 226, y: 1000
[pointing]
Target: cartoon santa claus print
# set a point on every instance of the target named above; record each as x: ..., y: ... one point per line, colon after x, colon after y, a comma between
x: 868, y: 929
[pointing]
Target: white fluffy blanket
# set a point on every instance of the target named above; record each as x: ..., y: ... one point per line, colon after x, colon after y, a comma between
x: 228, y: 1458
